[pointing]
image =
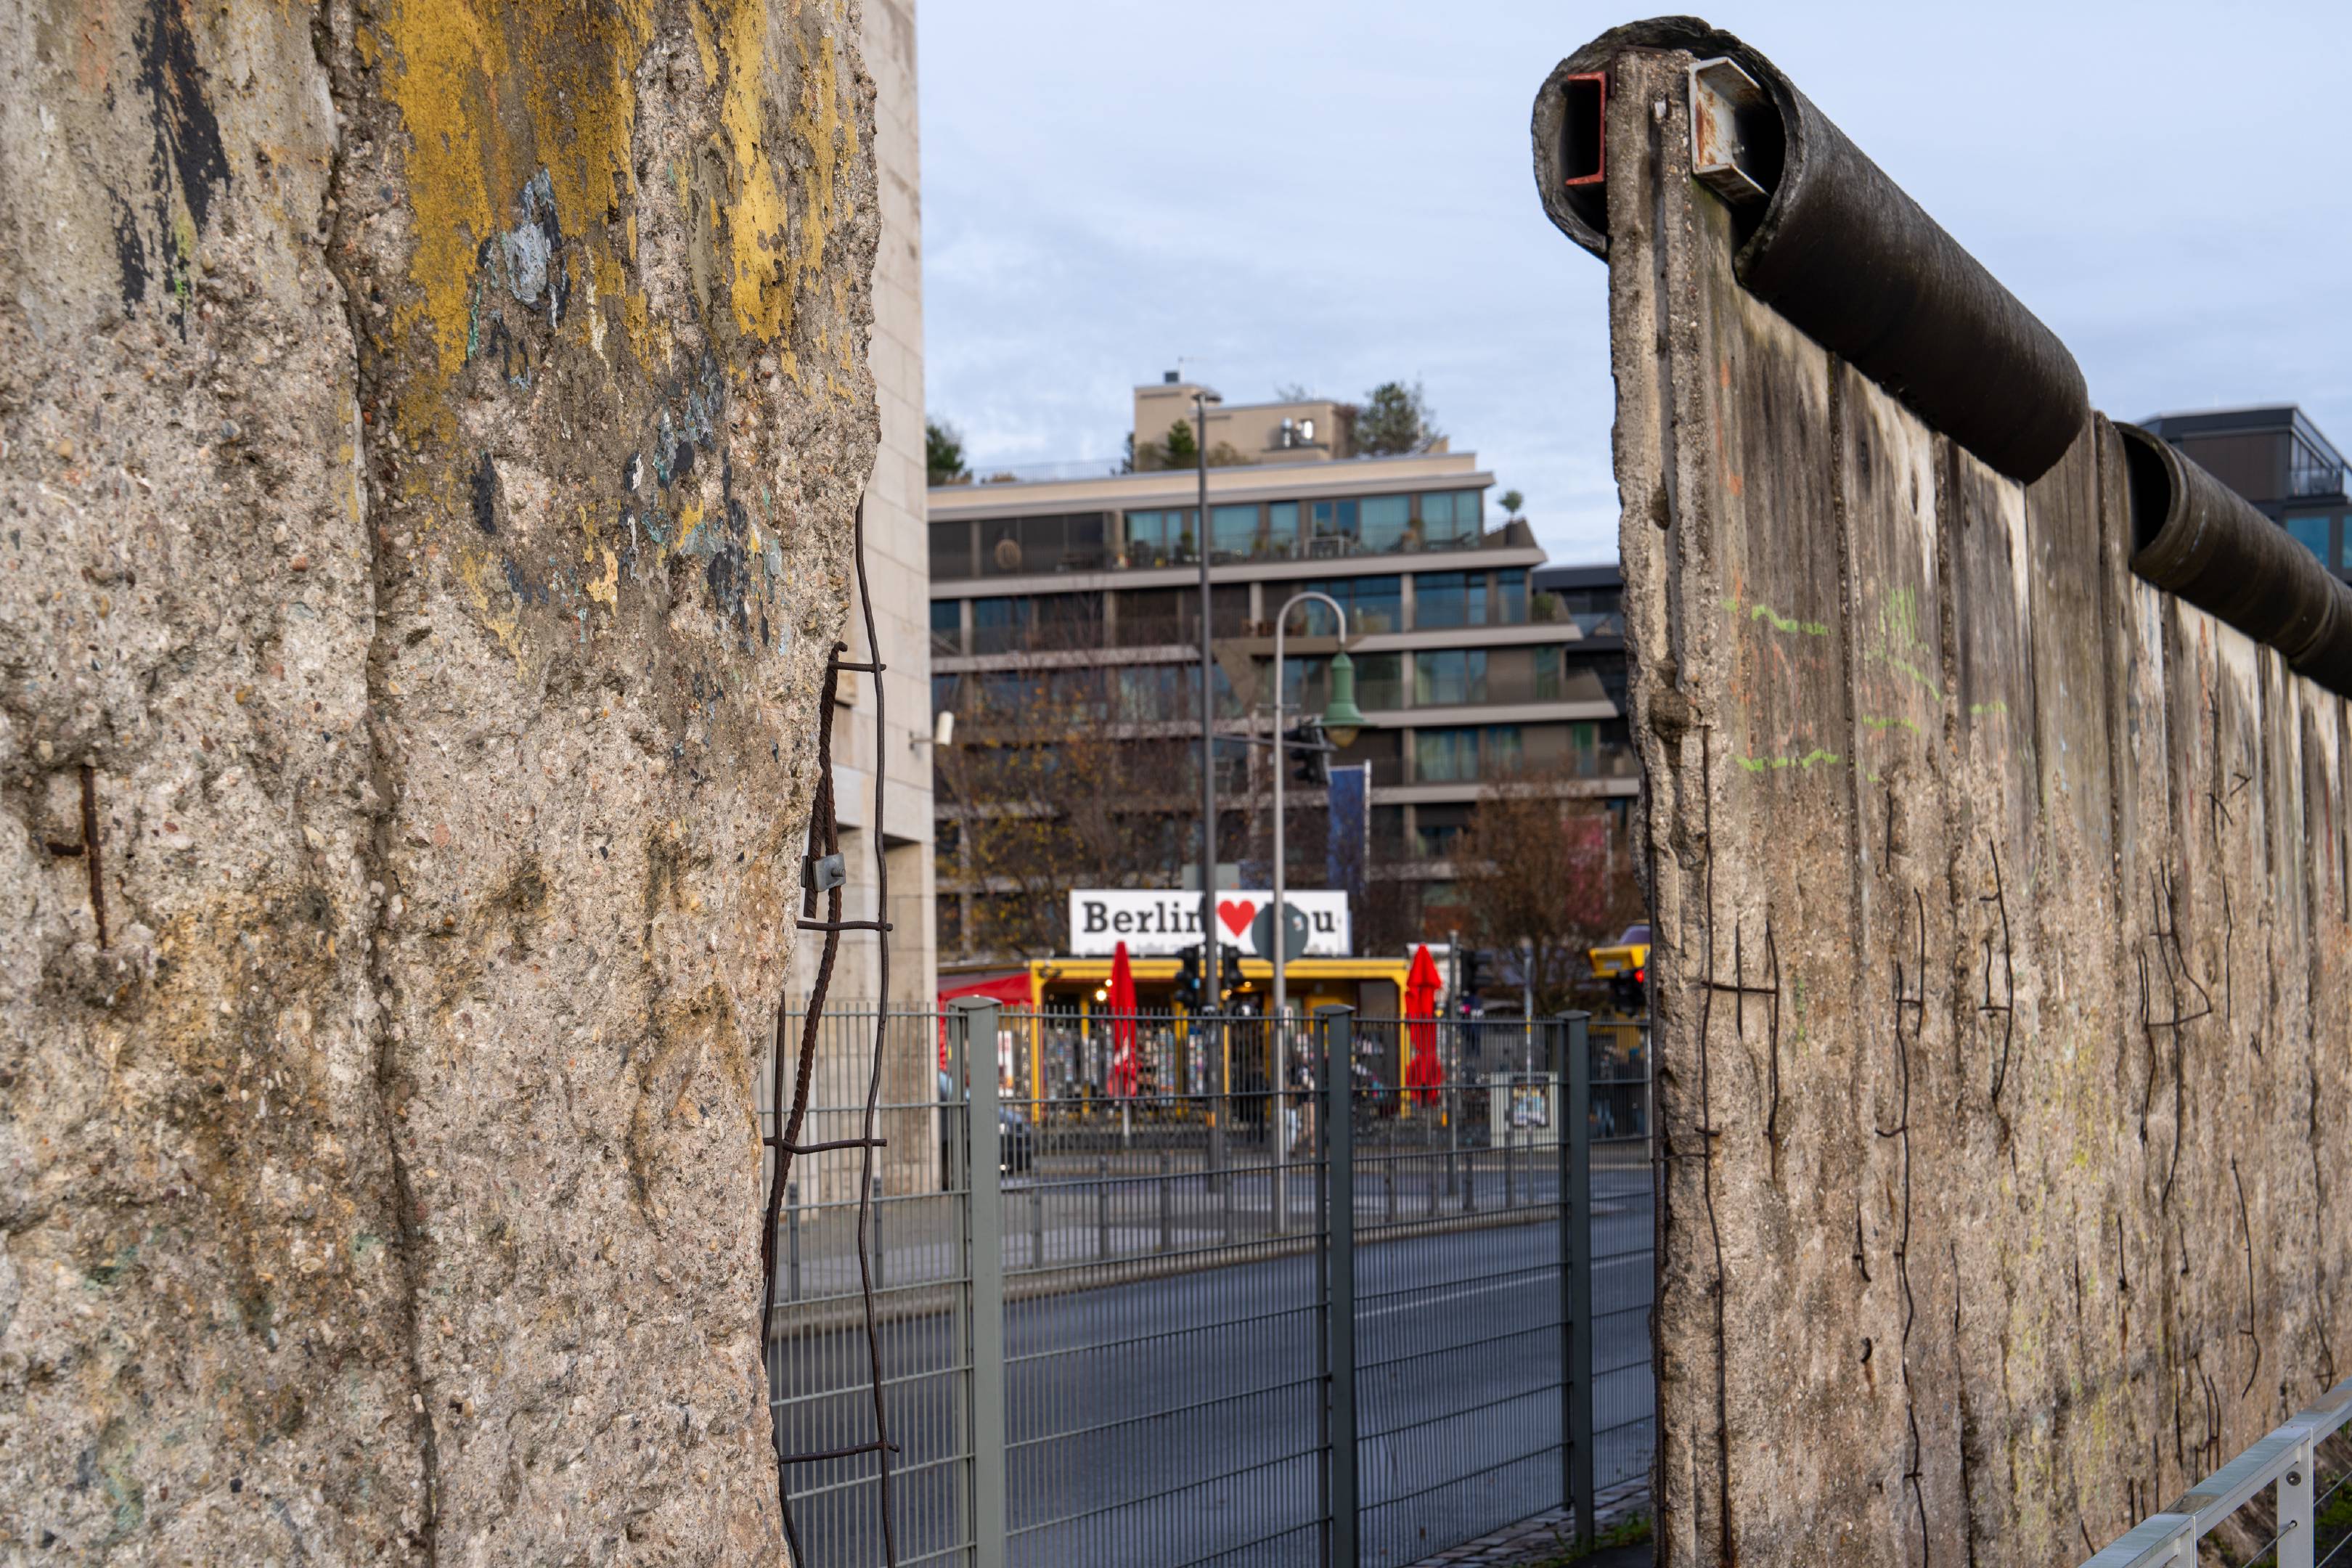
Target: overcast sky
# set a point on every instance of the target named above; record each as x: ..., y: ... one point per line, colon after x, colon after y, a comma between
x: 1301, y: 191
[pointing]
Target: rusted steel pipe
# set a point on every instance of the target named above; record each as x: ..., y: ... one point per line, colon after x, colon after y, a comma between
x: 1837, y: 247
x: 2194, y: 536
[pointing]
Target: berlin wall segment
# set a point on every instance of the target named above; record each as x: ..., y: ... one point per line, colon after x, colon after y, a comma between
x: 2000, y: 920
x: 429, y: 437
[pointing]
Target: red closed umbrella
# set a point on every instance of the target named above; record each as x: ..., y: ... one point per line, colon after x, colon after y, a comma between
x: 1122, y: 1023
x: 1422, y: 1073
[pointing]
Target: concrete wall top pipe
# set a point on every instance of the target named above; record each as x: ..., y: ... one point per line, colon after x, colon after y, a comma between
x: 2194, y: 536
x: 1840, y: 249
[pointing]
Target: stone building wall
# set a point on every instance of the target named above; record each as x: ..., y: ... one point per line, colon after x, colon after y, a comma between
x: 429, y: 435
x: 2002, y: 952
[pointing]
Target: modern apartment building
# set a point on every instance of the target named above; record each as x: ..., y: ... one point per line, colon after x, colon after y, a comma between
x: 1089, y: 587
x: 2276, y: 459
x: 1591, y: 599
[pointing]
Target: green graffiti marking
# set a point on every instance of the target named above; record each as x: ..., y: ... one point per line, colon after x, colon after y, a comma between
x: 1806, y: 762
x: 1779, y: 622
x: 1897, y: 724
x: 1995, y: 706
x: 1904, y: 666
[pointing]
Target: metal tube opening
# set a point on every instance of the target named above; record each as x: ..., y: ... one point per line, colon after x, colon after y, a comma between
x: 1583, y: 149
x: 2150, y: 484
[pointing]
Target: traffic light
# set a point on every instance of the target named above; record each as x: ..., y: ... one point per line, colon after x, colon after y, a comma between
x: 1188, y: 979
x: 1309, y: 762
x: 1229, y: 970
x: 1473, y: 980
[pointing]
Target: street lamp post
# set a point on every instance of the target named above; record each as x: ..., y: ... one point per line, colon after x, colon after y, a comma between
x: 1341, y: 720
x: 1210, y: 992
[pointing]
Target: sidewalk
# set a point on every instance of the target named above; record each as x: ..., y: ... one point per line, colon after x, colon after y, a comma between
x: 1543, y: 1537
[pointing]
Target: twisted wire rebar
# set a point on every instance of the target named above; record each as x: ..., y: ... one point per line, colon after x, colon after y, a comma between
x: 825, y: 840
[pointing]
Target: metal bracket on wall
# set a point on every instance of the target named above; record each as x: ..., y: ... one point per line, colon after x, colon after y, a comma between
x: 1725, y: 102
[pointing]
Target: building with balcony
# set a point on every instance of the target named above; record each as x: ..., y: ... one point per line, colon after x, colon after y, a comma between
x: 2276, y: 459
x: 1069, y: 606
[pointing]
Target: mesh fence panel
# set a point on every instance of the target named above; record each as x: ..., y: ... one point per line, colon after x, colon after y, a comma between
x: 1165, y: 1295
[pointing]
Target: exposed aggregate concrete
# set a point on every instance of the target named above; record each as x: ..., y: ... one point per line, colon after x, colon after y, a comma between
x: 429, y: 437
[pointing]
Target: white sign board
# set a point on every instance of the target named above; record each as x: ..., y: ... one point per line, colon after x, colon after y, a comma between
x: 1158, y: 922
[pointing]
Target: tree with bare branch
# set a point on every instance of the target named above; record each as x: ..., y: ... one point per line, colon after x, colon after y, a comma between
x: 1542, y: 867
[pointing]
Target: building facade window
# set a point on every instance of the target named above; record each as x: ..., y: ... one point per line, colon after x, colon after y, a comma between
x: 950, y: 551
x: 947, y: 626
x: 1446, y: 678
x: 1373, y: 605
x: 1000, y: 625
x: 1445, y: 756
x: 1067, y: 621
x: 1446, y: 599
x: 1307, y: 684
x: 1281, y: 527
x: 1450, y: 518
x: 1387, y: 523
x: 1149, y: 537
x: 1546, y: 664
x: 1150, y: 616
x: 1158, y: 693
x: 1337, y: 526
x: 1436, y: 826
x: 1159, y: 538
x: 2312, y: 533
x: 1379, y: 680
x: 1234, y: 533
x: 1383, y: 748
x: 1510, y: 608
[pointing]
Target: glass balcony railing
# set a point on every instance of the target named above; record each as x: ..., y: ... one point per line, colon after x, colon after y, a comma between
x: 1029, y: 547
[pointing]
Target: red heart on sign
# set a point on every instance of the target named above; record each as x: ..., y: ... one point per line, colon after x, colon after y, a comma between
x: 1236, y: 915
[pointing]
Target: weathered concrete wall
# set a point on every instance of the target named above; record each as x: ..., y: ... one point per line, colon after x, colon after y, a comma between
x: 2001, y: 950
x: 429, y: 440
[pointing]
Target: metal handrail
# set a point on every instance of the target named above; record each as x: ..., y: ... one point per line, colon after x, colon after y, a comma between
x: 2282, y: 1459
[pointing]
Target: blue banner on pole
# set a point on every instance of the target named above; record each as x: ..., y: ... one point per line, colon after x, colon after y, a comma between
x: 1350, y: 843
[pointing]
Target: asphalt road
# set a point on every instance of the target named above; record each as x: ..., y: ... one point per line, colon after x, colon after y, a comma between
x: 1175, y: 1420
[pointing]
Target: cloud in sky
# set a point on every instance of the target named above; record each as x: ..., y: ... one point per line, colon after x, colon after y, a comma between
x: 1335, y: 195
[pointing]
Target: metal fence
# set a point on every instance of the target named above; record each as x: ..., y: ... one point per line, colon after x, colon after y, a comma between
x: 2286, y: 1493
x: 1137, y: 1330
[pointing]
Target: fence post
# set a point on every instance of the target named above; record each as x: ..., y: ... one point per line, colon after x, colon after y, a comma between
x: 1572, y: 1039
x: 1339, y: 1262
x: 1036, y: 1224
x: 2296, y: 1543
x: 1102, y: 1205
x: 792, y: 1241
x: 984, y: 1271
x: 1165, y: 1214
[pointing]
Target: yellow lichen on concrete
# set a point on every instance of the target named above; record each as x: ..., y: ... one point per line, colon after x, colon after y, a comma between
x: 489, y: 97
x: 759, y: 291
x: 820, y: 124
